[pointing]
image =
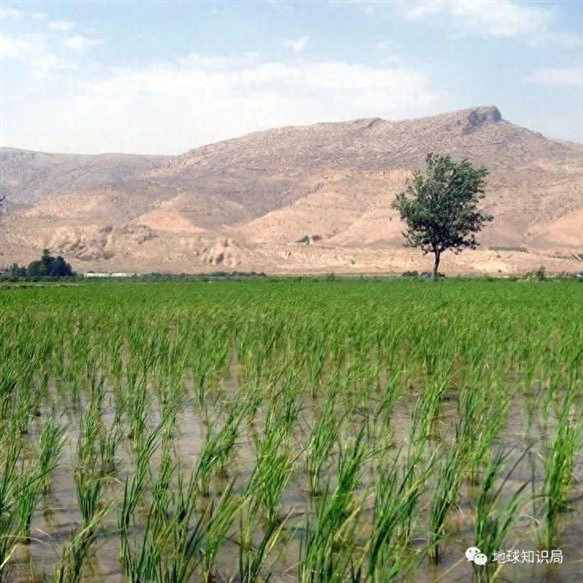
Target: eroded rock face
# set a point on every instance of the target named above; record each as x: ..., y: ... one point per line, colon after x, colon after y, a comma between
x: 224, y: 252
x: 98, y: 243
x: 137, y: 234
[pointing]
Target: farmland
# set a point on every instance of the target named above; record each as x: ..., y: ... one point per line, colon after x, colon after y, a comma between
x: 290, y: 430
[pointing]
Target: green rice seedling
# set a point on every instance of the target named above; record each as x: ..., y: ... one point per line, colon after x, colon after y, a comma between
x: 22, y: 411
x: 559, y: 465
x: 326, y: 547
x: 253, y: 558
x: 89, y: 491
x: 445, y: 495
x: 275, y: 461
x: 221, y: 517
x: 217, y: 450
x: 389, y: 396
x: 326, y: 552
x: 77, y: 550
x: 274, y: 465
x: 317, y: 351
x: 396, y: 499
x: 145, y: 565
x: 51, y: 445
x: 138, y: 410
x: 211, y: 353
x: 10, y: 487
x: 321, y: 441
x: 426, y: 411
x: 170, y: 404
x: 270, y: 477
x: 29, y: 491
x: 107, y: 443
x: 175, y: 542
x: 88, y: 438
x: 493, y: 520
x: 189, y: 534
x: 8, y: 386
x: 162, y: 486
x: 482, y: 416
x: 134, y: 489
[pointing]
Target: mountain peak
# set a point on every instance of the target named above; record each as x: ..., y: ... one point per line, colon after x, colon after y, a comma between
x: 483, y: 115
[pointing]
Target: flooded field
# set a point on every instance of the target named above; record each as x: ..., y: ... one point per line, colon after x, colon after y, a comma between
x: 311, y: 431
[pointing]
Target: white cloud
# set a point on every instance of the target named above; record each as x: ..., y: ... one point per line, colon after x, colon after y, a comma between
x: 558, y: 77
x: 499, y: 18
x: 297, y: 45
x: 9, y: 13
x: 560, y: 39
x: 534, y: 22
x: 33, y: 52
x: 12, y: 48
x: 61, y: 25
x: 175, y: 107
x: 80, y: 42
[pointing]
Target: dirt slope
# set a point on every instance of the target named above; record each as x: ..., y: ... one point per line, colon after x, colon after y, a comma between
x: 296, y: 199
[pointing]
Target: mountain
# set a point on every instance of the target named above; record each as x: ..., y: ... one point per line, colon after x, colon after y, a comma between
x: 296, y: 199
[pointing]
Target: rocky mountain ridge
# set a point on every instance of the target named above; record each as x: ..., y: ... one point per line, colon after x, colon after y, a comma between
x: 294, y: 199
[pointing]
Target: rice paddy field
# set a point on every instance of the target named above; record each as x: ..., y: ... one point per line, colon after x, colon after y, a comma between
x: 291, y: 430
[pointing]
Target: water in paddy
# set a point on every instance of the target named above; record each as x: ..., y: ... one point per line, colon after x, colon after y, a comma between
x: 525, y: 431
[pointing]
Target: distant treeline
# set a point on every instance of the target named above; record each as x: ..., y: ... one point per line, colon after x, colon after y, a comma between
x: 46, y: 266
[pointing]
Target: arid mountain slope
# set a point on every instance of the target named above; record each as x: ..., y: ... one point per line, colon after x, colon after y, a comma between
x: 246, y: 203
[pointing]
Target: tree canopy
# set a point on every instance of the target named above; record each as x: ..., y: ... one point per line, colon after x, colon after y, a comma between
x: 46, y: 266
x: 441, y: 207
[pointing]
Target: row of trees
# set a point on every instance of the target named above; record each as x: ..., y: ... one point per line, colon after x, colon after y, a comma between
x: 46, y: 266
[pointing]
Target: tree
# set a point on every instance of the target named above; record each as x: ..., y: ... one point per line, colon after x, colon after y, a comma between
x: 49, y: 266
x: 441, y: 207
x: 60, y: 268
x: 16, y: 270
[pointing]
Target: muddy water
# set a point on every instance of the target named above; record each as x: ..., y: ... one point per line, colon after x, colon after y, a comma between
x: 58, y: 516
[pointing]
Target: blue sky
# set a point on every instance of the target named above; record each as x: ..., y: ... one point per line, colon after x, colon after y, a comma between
x: 154, y: 76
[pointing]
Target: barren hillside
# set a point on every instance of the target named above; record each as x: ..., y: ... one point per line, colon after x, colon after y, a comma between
x: 297, y: 199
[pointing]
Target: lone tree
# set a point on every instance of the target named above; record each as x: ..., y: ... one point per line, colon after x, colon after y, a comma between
x: 440, y: 207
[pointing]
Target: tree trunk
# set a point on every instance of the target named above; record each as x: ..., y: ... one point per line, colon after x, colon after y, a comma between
x: 436, y: 265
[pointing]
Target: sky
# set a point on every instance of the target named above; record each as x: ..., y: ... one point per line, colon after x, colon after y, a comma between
x: 166, y: 76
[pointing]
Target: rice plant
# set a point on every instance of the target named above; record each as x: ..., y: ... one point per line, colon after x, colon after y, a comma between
x: 76, y: 551
x: 445, y: 496
x: 216, y: 451
x: 253, y: 558
x: 326, y: 551
x: 51, y: 445
x: 322, y: 439
x: 221, y: 516
x: 396, y: 502
x: 559, y: 466
x: 494, y: 517
x: 29, y: 493
x: 89, y: 492
x: 9, y: 491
